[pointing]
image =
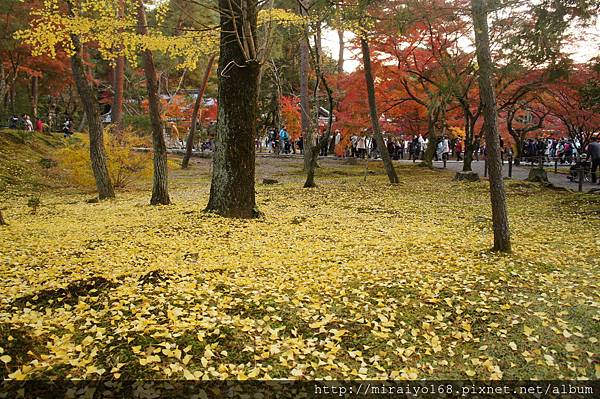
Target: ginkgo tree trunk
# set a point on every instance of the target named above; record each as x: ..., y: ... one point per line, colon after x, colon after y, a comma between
x: 160, y: 189
x: 232, y: 187
x: 492, y: 138
x: 92, y: 113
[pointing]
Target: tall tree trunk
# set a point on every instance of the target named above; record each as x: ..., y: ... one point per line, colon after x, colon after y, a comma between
x: 88, y: 101
x: 492, y: 138
x: 470, y: 146
x: 13, y: 97
x: 232, y: 192
x: 189, y: 145
x: 34, y: 96
x: 324, y: 140
x: 518, y: 158
x: 307, y: 132
x: 340, y: 63
x: 385, y: 156
x: 432, y: 137
x: 3, y: 85
x: 119, y: 82
x: 312, y: 153
x: 160, y: 180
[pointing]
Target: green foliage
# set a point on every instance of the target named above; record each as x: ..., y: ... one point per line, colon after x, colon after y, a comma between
x: 138, y: 123
x: 536, y: 35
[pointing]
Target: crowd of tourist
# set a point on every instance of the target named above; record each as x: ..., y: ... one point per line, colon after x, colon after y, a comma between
x: 533, y: 150
x: 564, y: 150
x: 26, y: 123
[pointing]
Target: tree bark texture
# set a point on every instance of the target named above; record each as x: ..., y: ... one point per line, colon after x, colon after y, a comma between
x: 324, y: 140
x: 492, y: 138
x: 385, y: 155
x: 160, y: 179
x: 232, y: 192
x: 470, y: 144
x: 433, y: 114
x: 118, y: 82
x: 34, y: 95
x: 88, y: 101
x: 340, y: 63
x: 307, y: 132
x: 189, y: 145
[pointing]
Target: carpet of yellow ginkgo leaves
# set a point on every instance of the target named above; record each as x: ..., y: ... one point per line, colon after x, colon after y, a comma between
x: 352, y: 280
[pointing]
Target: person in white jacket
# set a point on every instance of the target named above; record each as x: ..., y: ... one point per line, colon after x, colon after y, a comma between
x: 445, y: 148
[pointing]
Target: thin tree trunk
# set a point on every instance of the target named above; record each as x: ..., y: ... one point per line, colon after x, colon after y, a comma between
x: 432, y: 136
x: 13, y: 97
x: 324, y: 140
x: 469, y: 145
x: 518, y: 150
x: 88, y: 100
x: 340, y: 63
x: 312, y: 152
x: 232, y: 191
x: 307, y: 133
x: 385, y: 156
x: 497, y: 193
x: 189, y: 145
x: 160, y: 180
x: 34, y: 96
x: 118, y: 82
x: 2, y: 221
x: 3, y: 85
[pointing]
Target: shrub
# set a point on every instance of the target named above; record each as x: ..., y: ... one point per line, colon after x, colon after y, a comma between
x: 124, y: 164
x: 138, y: 123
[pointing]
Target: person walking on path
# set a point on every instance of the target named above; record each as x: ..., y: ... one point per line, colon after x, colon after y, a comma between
x: 283, y: 139
x: 361, y: 146
x: 593, y: 154
x: 458, y: 150
x: 445, y: 148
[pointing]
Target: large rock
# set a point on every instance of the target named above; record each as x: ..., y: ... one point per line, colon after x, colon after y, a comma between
x: 466, y: 176
x: 538, y: 175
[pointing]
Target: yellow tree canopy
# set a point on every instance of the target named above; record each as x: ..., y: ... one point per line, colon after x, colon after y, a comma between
x: 98, y: 23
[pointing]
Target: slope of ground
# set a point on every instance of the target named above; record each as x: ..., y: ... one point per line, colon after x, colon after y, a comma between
x: 25, y: 161
x: 354, y: 279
